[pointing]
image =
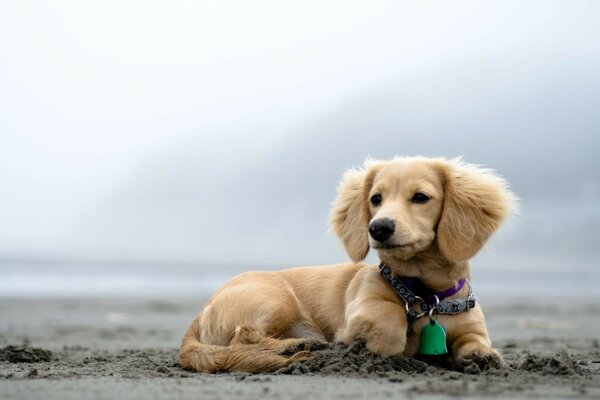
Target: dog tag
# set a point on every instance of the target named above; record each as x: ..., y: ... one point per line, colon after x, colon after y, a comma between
x: 432, y: 341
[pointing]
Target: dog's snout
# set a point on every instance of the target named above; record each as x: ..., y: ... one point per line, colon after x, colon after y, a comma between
x: 382, y: 229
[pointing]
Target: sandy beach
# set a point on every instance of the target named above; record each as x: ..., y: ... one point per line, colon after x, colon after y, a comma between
x: 110, y: 348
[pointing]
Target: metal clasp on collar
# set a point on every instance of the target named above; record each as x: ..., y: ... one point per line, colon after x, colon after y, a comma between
x: 434, y: 307
x: 412, y: 315
x: 470, y: 297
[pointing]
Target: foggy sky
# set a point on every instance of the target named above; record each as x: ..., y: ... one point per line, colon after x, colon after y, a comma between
x: 189, y: 131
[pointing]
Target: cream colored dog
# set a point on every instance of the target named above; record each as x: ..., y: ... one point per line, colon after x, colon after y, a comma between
x: 425, y: 218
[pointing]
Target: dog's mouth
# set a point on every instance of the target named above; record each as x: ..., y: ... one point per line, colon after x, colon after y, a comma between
x: 390, y: 246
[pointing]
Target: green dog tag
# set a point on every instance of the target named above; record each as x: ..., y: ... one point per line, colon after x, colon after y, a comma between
x: 433, y: 339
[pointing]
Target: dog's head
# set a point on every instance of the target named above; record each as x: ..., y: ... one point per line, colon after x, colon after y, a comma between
x: 403, y: 206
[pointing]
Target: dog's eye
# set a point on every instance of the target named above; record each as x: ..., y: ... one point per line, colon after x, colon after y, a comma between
x: 419, y: 198
x: 376, y: 199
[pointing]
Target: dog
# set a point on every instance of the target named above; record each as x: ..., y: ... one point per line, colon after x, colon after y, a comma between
x: 425, y: 218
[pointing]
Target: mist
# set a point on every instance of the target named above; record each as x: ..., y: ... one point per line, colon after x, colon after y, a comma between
x: 217, y: 132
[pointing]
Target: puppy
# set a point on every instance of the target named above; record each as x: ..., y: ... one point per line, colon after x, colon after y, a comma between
x: 424, y: 217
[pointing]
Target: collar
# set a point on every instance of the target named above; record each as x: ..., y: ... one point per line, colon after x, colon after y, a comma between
x: 413, y: 290
x: 417, y: 286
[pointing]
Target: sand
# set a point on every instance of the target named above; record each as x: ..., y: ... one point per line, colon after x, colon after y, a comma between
x: 127, y: 348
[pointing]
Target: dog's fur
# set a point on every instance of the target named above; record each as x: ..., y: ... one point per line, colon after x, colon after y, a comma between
x: 261, y: 321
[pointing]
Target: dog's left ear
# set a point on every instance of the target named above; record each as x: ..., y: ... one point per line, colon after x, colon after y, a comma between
x: 476, y: 202
x: 350, y: 214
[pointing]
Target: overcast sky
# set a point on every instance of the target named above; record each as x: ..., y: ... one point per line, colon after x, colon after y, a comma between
x: 191, y: 130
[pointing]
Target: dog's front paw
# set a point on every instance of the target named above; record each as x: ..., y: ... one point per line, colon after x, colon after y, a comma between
x: 477, y: 360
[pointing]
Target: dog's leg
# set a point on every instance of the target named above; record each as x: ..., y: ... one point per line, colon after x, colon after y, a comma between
x: 299, y: 347
x: 381, y: 323
x: 304, y: 335
x: 475, y: 348
x: 254, y: 335
x: 293, y: 346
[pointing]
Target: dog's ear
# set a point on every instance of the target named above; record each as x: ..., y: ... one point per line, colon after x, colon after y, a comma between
x: 476, y: 201
x: 350, y: 214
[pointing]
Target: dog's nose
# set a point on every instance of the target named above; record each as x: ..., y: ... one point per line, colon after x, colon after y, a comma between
x: 382, y: 229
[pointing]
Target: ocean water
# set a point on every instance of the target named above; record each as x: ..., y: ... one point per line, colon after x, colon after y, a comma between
x: 41, y: 279
x: 547, y: 250
x: 513, y: 274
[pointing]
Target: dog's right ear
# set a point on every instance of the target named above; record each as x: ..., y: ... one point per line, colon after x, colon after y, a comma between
x: 350, y: 214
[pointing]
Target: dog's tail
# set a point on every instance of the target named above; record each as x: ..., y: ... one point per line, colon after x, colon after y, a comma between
x: 256, y: 357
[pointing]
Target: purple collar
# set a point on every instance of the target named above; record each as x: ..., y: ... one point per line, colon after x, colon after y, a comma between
x: 418, y: 288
